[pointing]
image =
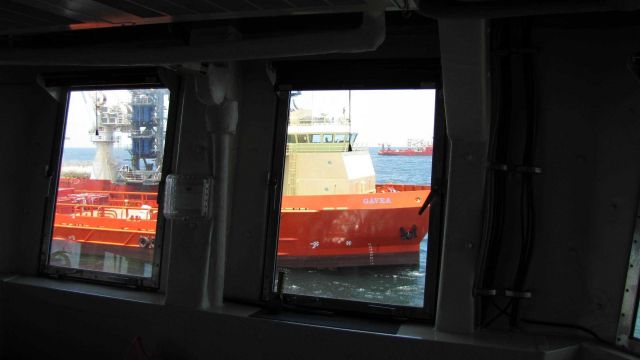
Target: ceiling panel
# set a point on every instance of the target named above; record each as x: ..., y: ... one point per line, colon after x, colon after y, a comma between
x: 80, y: 11
x: 132, y: 8
x: 308, y: 3
x: 10, y: 8
x: 202, y: 7
x: 167, y: 7
x: 235, y: 5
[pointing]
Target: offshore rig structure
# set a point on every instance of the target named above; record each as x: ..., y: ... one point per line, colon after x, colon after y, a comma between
x: 143, y: 119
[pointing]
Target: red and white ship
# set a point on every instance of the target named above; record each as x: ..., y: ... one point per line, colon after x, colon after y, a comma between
x: 414, y: 148
x: 332, y: 212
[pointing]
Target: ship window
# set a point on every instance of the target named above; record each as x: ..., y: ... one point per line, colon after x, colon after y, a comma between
x: 628, y: 334
x: 303, y: 138
x: 291, y: 138
x: 105, y: 222
x: 350, y: 229
x: 340, y: 138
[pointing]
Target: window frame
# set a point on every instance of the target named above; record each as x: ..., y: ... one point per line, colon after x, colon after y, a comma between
x: 438, y: 180
x: 108, y: 79
x: 626, y: 324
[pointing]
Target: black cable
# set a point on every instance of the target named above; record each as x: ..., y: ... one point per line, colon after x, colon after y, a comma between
x: 498, y: 154
x: 565, y: 325
x: 527, y: 218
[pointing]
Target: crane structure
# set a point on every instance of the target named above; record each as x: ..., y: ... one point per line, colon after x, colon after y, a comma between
x: 146, y: 130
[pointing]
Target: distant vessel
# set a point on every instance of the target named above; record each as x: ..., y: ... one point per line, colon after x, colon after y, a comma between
x: 414, y: 148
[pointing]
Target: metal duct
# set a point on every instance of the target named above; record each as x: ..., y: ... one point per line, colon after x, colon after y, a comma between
x: 367, y: 37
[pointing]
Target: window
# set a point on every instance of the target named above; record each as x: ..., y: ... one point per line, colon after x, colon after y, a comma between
x: 629, y: 324
x: 340, y: 138
x: 105, y: 221
x: 350, y: 231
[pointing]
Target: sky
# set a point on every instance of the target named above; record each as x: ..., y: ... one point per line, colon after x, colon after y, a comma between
x: 378, y: 116
x: 81, y: 116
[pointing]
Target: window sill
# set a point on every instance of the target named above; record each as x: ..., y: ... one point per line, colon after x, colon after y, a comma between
x: 486, y: 342
x: 71, y: 286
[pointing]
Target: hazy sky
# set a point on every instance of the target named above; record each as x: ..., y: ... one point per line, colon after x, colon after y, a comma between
x: 378, y: 116
x: 81, y: 116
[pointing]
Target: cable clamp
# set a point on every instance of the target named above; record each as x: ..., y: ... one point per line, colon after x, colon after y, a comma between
x: 498, y: 166
x: 485, y: 292
x: 517, y: 294
x: 523, y: 169
x: 528, y: 169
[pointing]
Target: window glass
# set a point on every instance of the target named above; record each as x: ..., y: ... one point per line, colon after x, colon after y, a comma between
x: 636, y: 329
x: 106, y: 208
x: 316, y: 138
x: 350, y: 226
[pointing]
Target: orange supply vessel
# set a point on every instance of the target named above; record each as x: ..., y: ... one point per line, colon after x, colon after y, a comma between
x: 332, y: 212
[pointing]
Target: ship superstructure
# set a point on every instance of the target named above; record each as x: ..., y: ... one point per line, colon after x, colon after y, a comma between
x: 320, y: 159
x: 147, y: 128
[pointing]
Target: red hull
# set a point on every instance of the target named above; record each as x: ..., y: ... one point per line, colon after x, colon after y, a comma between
x: 330, y: 231
x: 356, y: 229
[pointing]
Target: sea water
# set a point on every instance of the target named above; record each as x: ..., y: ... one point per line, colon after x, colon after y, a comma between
x: 85, y: 156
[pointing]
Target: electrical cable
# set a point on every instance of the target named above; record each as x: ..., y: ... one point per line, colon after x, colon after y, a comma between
x: 565, y: 325
x: 527, y: 218
x: 498, y: 154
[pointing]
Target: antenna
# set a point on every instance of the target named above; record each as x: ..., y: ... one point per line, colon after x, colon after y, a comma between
x: 99, y: 102
x: 96, y: 106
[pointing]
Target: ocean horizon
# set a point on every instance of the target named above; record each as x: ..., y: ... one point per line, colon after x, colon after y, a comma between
x: 388, y: 169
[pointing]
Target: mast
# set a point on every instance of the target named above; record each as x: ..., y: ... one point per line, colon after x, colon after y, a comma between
x: 108, y: 120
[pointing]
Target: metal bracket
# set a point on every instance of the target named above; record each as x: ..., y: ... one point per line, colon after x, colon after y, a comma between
x: 485, y: 292
x: 517, y: 294
x: 522, y: 169
x: 527, y: 169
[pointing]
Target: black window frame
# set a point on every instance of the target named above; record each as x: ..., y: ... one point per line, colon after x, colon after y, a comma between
x: 64, y: 83
x: 630, y: 306
x: 356, y: 75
